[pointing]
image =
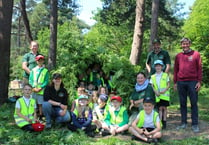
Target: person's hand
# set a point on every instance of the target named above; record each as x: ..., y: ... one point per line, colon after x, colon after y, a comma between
x: 63, y: 106
x: 62, y: 112
x: 157, y: 93
x: 29, y: 120
x: 113, y: 130
x: 36, y: 90
x: 146, y: 132
x: 175, y: 87
x: 198, y: 86
x: 131, y: 106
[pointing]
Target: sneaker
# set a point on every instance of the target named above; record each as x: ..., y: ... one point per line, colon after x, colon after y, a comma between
x: 195, y: 128
x: 152, y: 140
x: 133, y: 137
x: 182, y: 126
x: 90, y: 134
x: 105, y: 133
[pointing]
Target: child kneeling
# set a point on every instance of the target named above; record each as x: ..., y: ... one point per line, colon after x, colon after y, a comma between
x: 116, y: 120
x: 147, y: 125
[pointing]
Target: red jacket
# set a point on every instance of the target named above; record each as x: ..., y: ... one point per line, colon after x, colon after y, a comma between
x: 188, y: 67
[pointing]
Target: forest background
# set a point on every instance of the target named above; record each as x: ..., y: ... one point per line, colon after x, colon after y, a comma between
x: 109, y: 41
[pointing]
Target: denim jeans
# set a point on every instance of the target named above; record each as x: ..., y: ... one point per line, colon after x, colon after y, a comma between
x: 51, y: 112
x: 187, y: 88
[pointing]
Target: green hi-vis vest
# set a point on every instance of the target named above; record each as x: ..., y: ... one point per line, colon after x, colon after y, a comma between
x: 25, y: 110
x: 163, y: 85
x: 39, y: 79
x: 116, y: 119
x: 99, y: 114
x: 142, y: 118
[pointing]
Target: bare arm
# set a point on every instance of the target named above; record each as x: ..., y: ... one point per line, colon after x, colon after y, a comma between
x: 25, y: 68
x: 148, y: 67
x: 167, y: 68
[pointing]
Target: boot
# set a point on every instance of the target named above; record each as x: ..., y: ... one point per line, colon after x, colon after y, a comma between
x: 164, y: 124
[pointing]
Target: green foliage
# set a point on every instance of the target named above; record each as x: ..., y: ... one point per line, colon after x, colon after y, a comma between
x: 196, y: 28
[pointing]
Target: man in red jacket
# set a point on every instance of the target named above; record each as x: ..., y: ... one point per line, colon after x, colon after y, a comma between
x: 187, y: 80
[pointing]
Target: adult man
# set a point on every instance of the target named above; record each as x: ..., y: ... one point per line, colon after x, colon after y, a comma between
x: 28, y: 61
x: 187, y: 79
x: 157, y: 54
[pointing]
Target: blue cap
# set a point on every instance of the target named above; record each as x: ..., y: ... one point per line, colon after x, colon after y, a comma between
x: 158, y: 62
x: 83, y: 97
x: 103, y: 97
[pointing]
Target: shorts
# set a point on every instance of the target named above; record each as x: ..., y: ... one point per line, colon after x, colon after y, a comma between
x: 150, y: 129
x: 39, y: 98
x: 163, y: 103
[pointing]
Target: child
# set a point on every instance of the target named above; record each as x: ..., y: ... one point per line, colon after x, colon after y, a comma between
x: 160, y: 83
x: 147, y: 125
x: 95, y: 99
x: 116, y: 120
x: 82, y: 117
x: 25, y: 107
x: 102, y: 90
x: 38, y: 79
x: 100, y: 111
x: 80, y: 91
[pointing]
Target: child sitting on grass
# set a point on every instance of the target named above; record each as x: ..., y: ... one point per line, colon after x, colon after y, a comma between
x: 100, y: 111
x: 116, y: 120
x: 25, y: 110
x: 147, y: 125
x: 82, y: 117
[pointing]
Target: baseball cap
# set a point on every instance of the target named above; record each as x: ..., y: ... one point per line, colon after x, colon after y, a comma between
x: 57, y: 75
x: 158, y: 62
x: 148, y: 100
x: 103, y: 97
x: 156, y: 41
x: 83, y: 97
x: 118, y: 98
x: 38, y: 57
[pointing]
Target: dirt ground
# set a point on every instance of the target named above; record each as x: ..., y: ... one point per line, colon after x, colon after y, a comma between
x: 171, y: 133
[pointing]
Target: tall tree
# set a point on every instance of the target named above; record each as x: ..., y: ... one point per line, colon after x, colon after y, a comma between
x: 53, y: 35
x: 5, y: 33
x: 154, y: 21
x: 138, y: 33
x: 25, y: 20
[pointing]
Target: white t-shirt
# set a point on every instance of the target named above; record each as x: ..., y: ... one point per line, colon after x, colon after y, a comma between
x: 27, y: 102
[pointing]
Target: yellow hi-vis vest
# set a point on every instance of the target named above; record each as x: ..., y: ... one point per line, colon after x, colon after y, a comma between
x: 142, y: 118
x: 39, y: 79
x: 99, y: 114
x: 27, y: 111
x: 163, y: 85
x: 116, y: 119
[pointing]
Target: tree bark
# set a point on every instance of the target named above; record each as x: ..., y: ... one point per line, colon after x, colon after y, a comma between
x: 5, y: 35
x: 25, y: 20
x: 53, y: 35
x: 154, y: 22
x: 138, y: 33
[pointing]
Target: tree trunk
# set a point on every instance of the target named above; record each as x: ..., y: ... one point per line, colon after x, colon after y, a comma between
x: 154, y: 22
x: 25, y: 20
x: 53, y: 35
x: 5, y: 34
x: 138, y: 33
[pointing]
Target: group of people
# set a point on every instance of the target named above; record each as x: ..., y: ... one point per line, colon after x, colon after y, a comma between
x: 96, y: 110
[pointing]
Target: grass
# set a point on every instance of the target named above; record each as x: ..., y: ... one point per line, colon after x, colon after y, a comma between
x: 10, y: 134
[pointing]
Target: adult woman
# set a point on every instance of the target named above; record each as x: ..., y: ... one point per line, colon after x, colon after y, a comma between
x: 142, y: 90
x: 56, y: 101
